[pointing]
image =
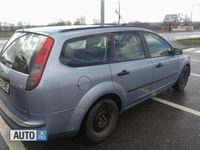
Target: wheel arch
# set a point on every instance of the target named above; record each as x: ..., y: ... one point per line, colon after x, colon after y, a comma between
x: 98, y: 92
x: 116, y: 98
x: 188, y: 65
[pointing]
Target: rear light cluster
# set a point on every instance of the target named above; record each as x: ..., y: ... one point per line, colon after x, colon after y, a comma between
x: 39, y: 65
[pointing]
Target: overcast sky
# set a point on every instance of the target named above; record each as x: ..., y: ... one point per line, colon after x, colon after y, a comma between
x: 47, y: 11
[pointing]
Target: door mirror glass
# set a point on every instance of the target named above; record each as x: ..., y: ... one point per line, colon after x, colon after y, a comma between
x: 178, y: 51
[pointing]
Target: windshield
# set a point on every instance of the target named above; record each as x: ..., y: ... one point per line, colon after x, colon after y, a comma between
x: 18, y: 52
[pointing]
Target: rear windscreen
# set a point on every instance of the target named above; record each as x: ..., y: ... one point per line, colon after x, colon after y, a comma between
x: 19, y: 52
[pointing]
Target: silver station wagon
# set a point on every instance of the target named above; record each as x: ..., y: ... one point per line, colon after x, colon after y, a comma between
x: 64, y: 79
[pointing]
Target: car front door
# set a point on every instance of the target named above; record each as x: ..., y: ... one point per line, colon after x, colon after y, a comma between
x: 166, y: 66
x: 131, y: 71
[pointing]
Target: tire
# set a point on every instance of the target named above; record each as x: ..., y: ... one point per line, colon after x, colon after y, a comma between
x: 183, y: 79
x: 101, y: 120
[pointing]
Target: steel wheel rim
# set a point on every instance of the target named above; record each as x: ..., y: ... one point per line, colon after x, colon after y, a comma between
x: 103, y: 118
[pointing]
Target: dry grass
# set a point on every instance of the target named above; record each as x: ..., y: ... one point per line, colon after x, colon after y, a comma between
x: 189, y: 42
x: 6, y: 34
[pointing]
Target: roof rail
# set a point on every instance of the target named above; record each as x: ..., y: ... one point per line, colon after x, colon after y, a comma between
x: 94, y: 27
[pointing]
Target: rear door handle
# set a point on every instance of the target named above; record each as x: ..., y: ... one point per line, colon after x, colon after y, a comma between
x: 123, y: 73
x: 159, y: 65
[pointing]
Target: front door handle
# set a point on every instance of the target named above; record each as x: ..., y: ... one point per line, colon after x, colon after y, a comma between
x: 159, y: 65
x: 123, y: 73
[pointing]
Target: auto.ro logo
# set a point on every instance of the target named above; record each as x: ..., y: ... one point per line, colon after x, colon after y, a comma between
x: 28, y: 135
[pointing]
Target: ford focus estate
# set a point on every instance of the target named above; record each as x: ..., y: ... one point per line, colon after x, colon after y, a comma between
x: 64, y: 79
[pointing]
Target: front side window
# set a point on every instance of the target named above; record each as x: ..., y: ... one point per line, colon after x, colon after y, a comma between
x: 156, y: 45
x: 127, y: 46
x: 85, y: 51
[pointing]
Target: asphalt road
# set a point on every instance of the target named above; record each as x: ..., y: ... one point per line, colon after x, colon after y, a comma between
x: 151, y: 125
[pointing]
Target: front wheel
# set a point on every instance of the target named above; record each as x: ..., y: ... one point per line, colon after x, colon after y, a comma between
x: 183, y: 79
x: 101, y: 120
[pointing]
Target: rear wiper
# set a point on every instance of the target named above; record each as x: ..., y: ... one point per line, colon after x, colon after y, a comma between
x: 5, y: 62
x: 2, y: 59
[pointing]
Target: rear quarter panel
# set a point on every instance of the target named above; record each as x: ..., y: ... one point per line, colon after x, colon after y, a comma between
x: 58, y: 90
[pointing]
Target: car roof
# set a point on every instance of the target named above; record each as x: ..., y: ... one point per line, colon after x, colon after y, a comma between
x: 60, y: 29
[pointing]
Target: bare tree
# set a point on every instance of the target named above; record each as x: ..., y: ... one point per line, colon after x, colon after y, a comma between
x: 68, y: 23
x: 20, y: 24
x: 60, y: 23
x: 96, y: 21
x: 80, y: 21
x: 0, y: 26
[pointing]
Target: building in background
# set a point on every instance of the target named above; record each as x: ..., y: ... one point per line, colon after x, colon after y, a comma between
x: 174, y: 18
x: 177, y: 22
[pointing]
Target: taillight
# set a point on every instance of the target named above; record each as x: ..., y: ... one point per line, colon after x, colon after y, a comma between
x: 39, y: 65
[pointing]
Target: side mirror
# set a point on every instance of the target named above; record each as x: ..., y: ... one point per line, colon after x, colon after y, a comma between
x: 178, y: 51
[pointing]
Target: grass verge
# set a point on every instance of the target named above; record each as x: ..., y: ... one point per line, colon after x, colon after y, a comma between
x: 189, y: 42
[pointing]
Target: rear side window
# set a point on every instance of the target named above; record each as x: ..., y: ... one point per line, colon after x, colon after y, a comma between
x: 19, y: 53
x: 85, y: 51
x: 127, y: 46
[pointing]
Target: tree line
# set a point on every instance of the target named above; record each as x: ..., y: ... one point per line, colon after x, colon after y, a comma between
x: 160, y: 26
x: 4, y: 26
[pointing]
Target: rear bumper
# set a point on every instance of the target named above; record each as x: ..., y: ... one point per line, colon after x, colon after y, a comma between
x: 13, y: 125
x: 58, y: 124
x: 14, y: 121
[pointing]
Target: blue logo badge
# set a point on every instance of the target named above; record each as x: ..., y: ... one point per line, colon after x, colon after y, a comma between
x: 42, y: 135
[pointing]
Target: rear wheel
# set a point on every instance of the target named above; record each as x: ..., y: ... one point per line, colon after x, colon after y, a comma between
x: 183, y: 79
x: 101, y: 120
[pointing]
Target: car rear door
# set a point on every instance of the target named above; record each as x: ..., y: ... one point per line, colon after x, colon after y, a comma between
x: 131, y: 72
x: 166, y: 66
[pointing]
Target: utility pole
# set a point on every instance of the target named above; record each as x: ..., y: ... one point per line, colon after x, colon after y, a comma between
x: 102, y: 11
x: 192, y: 10
x: 118, y: 13
x: 119, y: 17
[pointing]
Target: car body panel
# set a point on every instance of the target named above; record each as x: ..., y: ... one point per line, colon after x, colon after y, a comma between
x: 16, y: 98
x: 131, y: 83
x: 168, y: 73
x: 65, y: 94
